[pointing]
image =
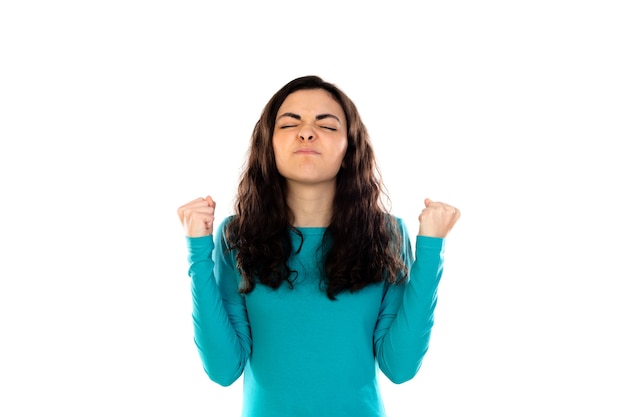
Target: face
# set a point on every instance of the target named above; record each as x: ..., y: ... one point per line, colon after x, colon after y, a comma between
x: 310, y: 137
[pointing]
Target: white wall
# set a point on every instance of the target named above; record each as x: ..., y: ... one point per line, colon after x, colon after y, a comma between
x: 112, y: 114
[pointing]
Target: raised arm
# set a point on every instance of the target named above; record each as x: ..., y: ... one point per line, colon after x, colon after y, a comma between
x: 221, y: 329
x: 406, y: 318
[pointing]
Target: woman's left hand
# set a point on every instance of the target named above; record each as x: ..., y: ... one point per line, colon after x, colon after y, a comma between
x: 437, y: 219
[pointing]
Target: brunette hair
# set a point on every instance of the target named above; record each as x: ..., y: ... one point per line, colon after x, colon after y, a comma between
x: 362, y: 242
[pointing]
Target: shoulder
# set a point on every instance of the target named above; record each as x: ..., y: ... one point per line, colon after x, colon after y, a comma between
x: 396, y: 224
x: 220, y: 232
x: 221, y: 228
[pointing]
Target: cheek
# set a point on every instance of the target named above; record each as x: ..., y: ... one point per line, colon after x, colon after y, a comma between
x: 341, y: 154
x: 276, y: 148
x: 278, y: 143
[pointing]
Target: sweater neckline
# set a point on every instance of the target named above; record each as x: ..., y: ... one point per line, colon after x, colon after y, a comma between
x: 309, y: 230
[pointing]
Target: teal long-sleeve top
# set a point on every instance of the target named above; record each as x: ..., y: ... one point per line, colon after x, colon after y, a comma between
x: 301, y: 353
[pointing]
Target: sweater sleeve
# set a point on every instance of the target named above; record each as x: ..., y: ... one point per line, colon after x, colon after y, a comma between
x: 406, y: 318
x: 220, y: 322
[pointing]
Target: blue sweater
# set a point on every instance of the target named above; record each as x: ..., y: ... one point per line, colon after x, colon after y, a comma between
x: 302, y: 354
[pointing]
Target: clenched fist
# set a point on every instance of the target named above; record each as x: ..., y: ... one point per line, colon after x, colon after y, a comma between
x: 437, y: 219
x: 197, y: 217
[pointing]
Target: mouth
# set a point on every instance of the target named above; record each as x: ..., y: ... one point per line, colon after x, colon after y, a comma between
x: 306, y: 152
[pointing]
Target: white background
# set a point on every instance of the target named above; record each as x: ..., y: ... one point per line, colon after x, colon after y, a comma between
x: 113, y: 114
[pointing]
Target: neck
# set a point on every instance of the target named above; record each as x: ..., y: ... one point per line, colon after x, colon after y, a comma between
x: 311, y: 205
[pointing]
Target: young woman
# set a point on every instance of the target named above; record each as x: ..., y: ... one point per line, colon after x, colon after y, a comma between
x: 312, y: 287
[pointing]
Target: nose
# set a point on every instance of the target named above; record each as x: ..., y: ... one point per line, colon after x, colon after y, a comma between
x: 306, y: 133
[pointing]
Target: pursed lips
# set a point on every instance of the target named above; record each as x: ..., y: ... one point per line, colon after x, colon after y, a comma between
x: 306, y: 151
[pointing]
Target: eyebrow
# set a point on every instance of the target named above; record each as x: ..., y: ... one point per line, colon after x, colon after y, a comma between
x: 318, y: 117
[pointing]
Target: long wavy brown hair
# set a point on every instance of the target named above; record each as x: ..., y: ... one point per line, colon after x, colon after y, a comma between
x: 362, y: 242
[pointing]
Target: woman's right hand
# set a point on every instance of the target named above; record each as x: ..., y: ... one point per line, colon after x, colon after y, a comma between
x: 197, y: 217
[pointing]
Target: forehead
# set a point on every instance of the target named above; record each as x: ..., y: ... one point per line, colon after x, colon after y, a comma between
x: 317, y: 101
